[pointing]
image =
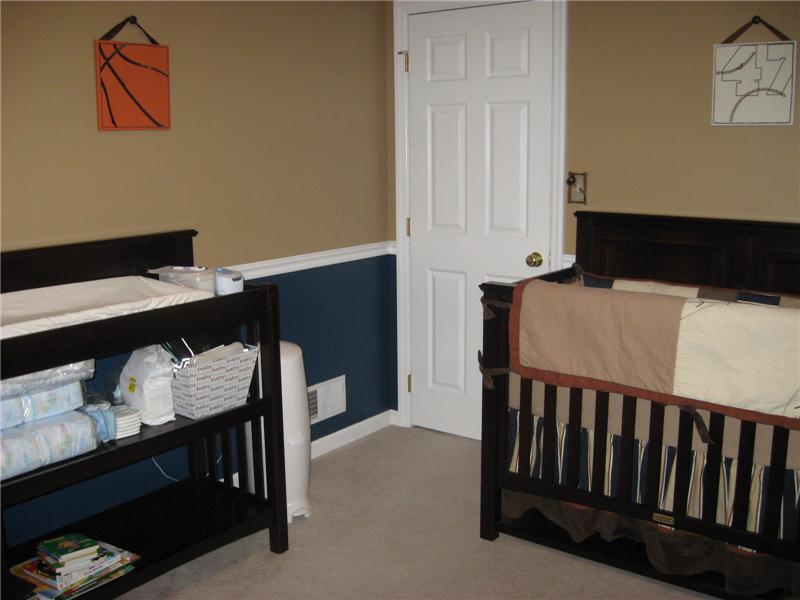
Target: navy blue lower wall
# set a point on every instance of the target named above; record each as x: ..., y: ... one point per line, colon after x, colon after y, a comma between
x: 343, y: 316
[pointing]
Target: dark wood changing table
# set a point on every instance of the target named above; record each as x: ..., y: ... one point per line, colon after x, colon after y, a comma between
x: 184, y: 520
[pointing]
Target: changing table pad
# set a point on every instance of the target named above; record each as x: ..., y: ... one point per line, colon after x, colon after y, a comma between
x: 42, y: 309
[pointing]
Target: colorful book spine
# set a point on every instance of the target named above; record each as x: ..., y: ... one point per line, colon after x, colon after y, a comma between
x: 67, y: 547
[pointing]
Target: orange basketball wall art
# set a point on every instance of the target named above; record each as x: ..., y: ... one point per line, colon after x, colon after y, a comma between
x: 132, y: 85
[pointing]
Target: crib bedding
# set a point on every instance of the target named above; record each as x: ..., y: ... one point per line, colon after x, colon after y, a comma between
x: 41, y: 309
x: 727, y: 480
x: 685, y: 291
x: 670, y: 551
x: 729, y: 444
x: 661, y: 347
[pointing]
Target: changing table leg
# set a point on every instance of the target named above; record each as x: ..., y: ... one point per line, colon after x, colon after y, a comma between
x: 273, y: 424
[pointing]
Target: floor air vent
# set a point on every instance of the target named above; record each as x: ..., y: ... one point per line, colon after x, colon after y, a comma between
x: 327, y: 399
x: 313, y: 405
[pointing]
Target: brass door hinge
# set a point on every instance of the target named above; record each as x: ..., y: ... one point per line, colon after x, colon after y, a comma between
x: 409, y: 383
x: 408, y: 227
x: 405, y: 56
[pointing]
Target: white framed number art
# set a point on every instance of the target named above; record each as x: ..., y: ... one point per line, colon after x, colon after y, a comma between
x: 754, y: 83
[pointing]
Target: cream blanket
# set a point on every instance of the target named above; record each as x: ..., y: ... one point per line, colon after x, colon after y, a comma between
x: 742, y: 358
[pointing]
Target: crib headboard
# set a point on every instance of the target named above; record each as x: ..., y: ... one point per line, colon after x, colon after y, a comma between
x: 84, y: 261
x: 752, y: 255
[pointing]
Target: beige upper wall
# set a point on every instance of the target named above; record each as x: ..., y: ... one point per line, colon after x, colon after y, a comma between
x: 639, y: 112
x: 282, y: 138
x: 279, y: 129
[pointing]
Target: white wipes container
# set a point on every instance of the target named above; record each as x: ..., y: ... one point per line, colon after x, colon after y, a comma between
x: 199, y: 278
x: 227, y: 281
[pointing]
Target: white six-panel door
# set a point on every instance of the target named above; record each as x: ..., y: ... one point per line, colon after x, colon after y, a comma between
x: 480, y: 187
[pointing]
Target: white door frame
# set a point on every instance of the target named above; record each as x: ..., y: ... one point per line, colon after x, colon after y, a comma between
x: 402, y: 11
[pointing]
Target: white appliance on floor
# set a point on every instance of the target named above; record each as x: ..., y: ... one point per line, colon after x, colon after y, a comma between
x: 296, y: 432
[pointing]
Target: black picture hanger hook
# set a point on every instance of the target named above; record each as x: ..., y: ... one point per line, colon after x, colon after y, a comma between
x: 756, y: 20
x: 132, y: 20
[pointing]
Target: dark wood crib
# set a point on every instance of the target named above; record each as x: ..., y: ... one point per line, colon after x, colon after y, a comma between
x: 709, y: 252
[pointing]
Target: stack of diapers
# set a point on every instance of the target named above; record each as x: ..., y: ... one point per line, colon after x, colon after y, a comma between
x: 32, y: 445
x: 40, y: 405
x: 41, y: 425
x: 127, y: 421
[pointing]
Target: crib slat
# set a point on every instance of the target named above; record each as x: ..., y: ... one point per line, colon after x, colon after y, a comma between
x: 741, y: 498
x: 656, y: 439
x: 716, y: 430
x: 549, y: 439
x: 777, y: 471
x: 600, y: 434
x: 626, y: 450
x: 525, y: 426
x: 683, y: 463
x: 574, y: 441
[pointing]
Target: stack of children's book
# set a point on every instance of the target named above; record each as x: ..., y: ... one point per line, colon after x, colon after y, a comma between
x: 72, y: 564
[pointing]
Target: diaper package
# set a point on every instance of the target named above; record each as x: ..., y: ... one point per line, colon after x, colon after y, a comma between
x: 104, y: 420
x: 41, y: 405
x: 146, y: 384
x: 47, y: 379
x: 33, y: 445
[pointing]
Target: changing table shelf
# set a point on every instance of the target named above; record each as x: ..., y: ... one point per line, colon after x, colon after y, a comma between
x: 112, y: 455
x: 167, y: 528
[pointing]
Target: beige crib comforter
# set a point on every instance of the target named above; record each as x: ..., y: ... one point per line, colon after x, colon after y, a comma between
x: 736, y: 358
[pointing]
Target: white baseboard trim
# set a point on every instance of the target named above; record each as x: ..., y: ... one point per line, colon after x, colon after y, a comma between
x: 300, y: 262
x: 345, y: 436
x: 567, y: 260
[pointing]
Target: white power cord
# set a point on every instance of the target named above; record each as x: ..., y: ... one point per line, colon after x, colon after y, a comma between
x: 153, y: 458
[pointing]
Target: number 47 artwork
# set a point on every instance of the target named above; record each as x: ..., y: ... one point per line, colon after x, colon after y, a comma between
x: 754, y: 83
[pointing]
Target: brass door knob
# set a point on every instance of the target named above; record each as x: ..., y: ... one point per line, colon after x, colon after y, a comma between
x: 534, y: 259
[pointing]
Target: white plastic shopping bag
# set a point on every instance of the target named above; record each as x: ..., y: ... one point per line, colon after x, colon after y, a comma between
x: 146, y: 384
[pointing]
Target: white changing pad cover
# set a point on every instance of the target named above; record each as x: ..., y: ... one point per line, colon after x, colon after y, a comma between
x: 42, y: 309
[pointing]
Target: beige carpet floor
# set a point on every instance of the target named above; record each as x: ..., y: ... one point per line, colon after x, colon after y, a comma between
x: 395, y: 515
